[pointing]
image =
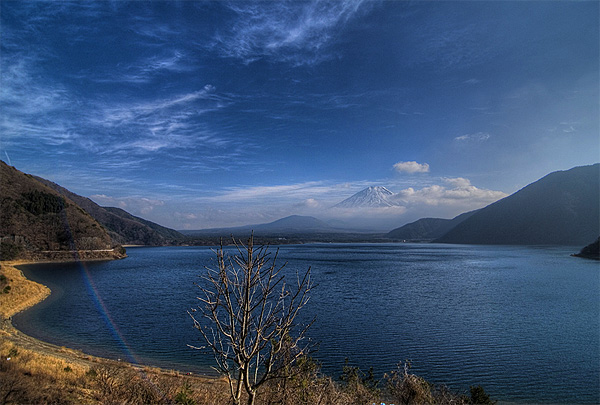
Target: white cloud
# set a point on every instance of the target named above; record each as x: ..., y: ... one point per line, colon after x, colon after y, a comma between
x: 458, y: 182
x: 411, y: 167
x: 309, y: 203
x: 461, y: 193
x: 476, y: 137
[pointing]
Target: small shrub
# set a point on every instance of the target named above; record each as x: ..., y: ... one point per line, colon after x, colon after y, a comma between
x: 4, y: 287
x: 480, y: 397
x: 184, y: 396
x: 68, y: 369
x: 408, y: 388
x: 363, y: 387
x: 13, y: 352
x: 302, y: 384
x: 120, y: 250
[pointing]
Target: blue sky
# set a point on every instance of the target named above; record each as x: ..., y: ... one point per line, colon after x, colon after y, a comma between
x: 208, y: 114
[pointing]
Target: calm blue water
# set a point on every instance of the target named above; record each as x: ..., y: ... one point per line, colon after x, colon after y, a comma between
x: 523, y: 322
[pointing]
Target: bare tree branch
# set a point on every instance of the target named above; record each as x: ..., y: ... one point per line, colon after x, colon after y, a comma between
x: 249, y: 317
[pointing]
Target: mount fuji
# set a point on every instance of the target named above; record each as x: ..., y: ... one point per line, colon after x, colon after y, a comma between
x: 369, y: 197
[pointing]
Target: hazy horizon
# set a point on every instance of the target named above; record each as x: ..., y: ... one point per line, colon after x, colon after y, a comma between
x: 202, y: 114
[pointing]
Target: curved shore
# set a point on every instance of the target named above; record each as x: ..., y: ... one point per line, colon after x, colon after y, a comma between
x: 25, y: 293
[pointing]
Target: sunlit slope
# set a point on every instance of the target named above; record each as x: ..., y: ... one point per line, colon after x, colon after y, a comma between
x: 36, y: 220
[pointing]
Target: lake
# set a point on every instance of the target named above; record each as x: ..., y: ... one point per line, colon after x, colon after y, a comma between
x: 523, y: 322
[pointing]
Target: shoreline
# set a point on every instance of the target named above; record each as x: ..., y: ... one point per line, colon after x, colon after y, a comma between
x: 24, y: 294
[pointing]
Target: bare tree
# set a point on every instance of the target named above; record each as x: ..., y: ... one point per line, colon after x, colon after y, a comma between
x: 248, y: 317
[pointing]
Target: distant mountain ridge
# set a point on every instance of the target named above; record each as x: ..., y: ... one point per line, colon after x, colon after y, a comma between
x: 37, y: 216
x: 562, y: 208
x: 293, y: 224
x: 123, y: 227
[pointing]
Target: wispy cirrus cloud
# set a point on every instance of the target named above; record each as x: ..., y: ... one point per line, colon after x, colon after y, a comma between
x: 22, y: 94
x: 152, y: 32
x: 569, y: 127
x: 184, y: 105
x: 33, y: 108
x: 476, y: 137
x: 286, y: 31
x: 168, y: 123
x: 144, y: 70
x: 132, y: 204
x: 48, y: 113
x: 277, y: 192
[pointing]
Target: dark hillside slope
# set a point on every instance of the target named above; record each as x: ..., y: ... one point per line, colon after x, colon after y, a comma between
x: 36, y: 222
x: 426, y: 229
x: 123, y: 227
x: 562, y: 208
x: 591, y: 251
x: 421, y: 229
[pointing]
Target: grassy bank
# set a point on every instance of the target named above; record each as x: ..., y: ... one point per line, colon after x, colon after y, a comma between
x: 21, y: 293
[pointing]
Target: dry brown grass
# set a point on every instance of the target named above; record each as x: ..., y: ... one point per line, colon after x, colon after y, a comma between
x: 23, y: 293
x: 40, y: 363
x: 28, y: 376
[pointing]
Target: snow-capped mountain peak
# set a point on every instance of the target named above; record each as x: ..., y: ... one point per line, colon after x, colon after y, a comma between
x: 376, y: 196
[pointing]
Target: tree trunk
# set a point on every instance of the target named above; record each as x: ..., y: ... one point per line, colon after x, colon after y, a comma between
x: 251, y: 397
